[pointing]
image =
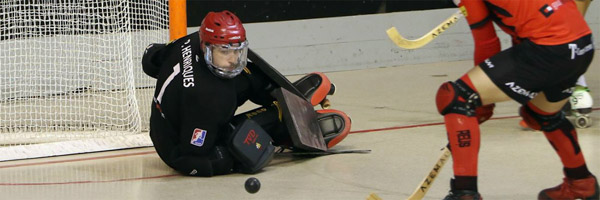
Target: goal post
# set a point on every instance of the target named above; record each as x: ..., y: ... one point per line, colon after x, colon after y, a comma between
x: 178, y: 19
x: 71, y: 79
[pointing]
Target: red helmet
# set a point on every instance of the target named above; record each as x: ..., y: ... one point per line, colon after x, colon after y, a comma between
x: 222, y: 28
x: 225, y: 44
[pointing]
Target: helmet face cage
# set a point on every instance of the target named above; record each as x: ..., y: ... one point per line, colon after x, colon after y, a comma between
x: 226, y: 60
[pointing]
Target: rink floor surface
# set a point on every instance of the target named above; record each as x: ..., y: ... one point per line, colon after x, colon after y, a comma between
x: 393, y: 114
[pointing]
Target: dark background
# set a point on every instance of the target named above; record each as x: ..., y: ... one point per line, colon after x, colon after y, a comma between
x: 268, y: 11
x: 37, y: 18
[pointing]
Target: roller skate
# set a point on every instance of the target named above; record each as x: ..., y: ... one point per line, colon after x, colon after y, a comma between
x: 580, y: 107
x: 586, y: 188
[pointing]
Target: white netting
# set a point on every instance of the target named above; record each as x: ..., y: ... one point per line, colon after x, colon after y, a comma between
x: 70, y: 69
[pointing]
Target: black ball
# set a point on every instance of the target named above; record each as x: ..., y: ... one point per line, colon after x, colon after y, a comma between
x: 252, y: 185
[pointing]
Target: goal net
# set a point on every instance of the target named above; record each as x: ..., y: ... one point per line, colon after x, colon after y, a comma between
x: 71, y: 79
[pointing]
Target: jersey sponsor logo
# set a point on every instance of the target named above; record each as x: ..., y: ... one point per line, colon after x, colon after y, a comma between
x: 576, y: 51
x: 198, y: 137
x: 489, y: 63
x: 546, y: 10
x: 188, y: 69
x: 519, y: 90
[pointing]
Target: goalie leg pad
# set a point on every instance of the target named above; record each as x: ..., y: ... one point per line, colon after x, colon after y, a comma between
x: 315, y: 87
x: 252, y: 146
x: 334, y: 124
x: 457, y: 97
x: 539, y: 120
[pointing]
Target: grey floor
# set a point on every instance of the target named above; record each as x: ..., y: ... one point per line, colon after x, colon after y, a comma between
x: 393, y: 114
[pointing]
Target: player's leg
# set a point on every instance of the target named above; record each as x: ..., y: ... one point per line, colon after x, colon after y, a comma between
x: 510, y: 74
x: 334, y: 124
x: 540, y: 114
x: 461, y: 104
x: 543, y: 113
x: 315, y: 87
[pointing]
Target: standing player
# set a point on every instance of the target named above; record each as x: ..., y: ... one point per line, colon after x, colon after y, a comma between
x: 202, y: 78
x: 553, y: 47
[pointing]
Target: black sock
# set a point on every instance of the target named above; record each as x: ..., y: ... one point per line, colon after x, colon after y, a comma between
x: 580, y: 172
x: 464, y: 183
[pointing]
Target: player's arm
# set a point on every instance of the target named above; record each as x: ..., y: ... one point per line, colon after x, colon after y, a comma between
x: 478, y: 16
x: 254, y: 85
x: 202, y: 134
x: 153, y: 59
x: 582, y: 5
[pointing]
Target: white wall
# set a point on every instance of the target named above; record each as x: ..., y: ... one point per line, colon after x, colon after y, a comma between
x: 358, y: 42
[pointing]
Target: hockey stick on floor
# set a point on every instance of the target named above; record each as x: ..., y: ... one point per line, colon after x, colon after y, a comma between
x: 320, y: 153
x: 419, y: 193
x: 422, y: 41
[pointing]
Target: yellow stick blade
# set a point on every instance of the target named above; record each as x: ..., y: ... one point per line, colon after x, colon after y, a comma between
x: 373, y: 196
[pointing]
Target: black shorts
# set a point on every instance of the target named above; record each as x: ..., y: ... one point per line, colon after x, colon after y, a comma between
x: 526, y: 69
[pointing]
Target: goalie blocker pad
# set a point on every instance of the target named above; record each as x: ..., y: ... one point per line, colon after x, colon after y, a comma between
x: 252, y: 146
x: 301, y: 120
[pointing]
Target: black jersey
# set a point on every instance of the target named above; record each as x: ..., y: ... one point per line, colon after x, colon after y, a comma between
x: 192, y: 107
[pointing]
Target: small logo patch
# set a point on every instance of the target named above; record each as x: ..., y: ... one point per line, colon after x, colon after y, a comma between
x: 198, y: 137
x: 250, y: 137
x: 258, y: 145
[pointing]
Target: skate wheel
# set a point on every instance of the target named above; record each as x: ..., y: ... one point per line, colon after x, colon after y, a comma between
x: 325, y: 104
x: 332, y: 90
x: 583, y: 122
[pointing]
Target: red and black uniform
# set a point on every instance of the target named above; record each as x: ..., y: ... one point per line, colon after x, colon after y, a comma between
x: 552, y: 45
x: 193, y: 108
x: 551, y: 48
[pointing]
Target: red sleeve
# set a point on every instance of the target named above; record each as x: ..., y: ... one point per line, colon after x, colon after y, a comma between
x: 486, y: 41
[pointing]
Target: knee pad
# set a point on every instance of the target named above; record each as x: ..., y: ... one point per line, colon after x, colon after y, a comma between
x: 457, y: 97
x: 541, y: 122
x: 334, y: 124
x: 484, y: 113
x: 315, y: 87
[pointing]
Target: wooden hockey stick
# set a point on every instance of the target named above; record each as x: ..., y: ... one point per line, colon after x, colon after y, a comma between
x: 419, y: 193
x: 422, y: 41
